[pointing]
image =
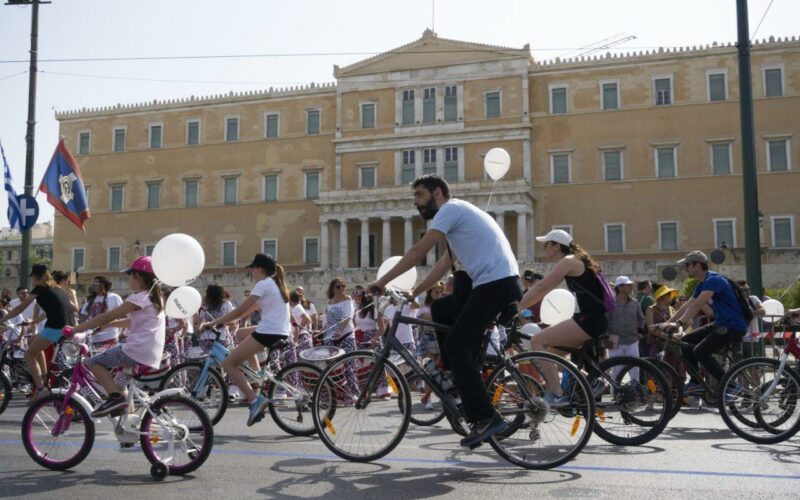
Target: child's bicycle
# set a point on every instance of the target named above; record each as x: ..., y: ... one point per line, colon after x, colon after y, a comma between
x: 58, y: 430
x: 289, y: 392
x: 12, y: 363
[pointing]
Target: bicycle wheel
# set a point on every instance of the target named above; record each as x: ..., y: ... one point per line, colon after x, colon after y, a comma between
x: 422, y: 413
x: 637, y: 409
x: 675, y: 383
x: 213, y: 397
x: 290, y: 404
x: 57, y: 435
x: 176, y: 432
x: 5, y: 391
x: 366, y: 431
x: 540, y: 436
x: 758, y: 391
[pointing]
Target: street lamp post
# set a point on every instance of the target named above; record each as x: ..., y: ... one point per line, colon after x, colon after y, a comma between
x: 29, y: 135
x: 749, y: 178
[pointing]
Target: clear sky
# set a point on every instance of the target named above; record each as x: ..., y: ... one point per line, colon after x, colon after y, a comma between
x: 337, y: 32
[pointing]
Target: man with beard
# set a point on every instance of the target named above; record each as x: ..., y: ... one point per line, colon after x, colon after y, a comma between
x: 476, y: 242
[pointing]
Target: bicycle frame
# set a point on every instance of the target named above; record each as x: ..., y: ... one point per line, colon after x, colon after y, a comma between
x: 675, y: 347
x: 391, y: 343
x: 792, y: 347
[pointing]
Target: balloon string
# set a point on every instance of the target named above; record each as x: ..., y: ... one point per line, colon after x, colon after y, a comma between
x: 490, y: 196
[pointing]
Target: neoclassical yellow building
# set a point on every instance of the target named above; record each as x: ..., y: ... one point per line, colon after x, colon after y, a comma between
x: 637, y: 155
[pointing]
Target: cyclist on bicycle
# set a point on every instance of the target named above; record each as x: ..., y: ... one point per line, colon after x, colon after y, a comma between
x: 144, y: 344
x: 577, y: 268
x: 55, y: 304
x: 729, y: 325
x: 271, y: 296
x: 475, y: 239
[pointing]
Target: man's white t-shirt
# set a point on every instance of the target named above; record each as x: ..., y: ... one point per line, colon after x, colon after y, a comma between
x: 274, y: 310
x: 26, y: 315
x: 476, y: 241
x: 753, y: 329
x: 404, y: 332
x: 112, y: 301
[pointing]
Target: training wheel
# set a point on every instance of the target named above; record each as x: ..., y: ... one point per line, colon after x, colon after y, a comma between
x: 159, y: 471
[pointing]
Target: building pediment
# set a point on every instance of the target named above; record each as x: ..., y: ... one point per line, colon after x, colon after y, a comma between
x: 431, y: 51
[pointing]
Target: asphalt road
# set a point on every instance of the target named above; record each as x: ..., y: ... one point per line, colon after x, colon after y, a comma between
x: 696, y: 457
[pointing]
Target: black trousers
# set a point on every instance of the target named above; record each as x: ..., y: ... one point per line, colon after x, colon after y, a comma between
x: 707, y: 341
x: 470, y: 315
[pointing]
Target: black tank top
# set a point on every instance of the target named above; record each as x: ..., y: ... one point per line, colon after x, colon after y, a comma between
x: 587, y: 284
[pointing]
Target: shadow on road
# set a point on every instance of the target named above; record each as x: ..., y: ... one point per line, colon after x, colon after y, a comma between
x: 611, y: 449
x: 785, y: 453
x: 696, y: 433
x: 382, y: 481
x: 39, y: 481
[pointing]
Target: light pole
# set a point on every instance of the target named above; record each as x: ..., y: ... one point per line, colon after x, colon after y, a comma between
x: 749, y: 178
x: 29, y: 136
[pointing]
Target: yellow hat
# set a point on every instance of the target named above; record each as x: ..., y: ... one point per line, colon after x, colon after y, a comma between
x: 663, y: 290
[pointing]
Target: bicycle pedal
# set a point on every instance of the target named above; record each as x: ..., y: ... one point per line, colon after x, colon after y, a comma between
x: 475, y: 445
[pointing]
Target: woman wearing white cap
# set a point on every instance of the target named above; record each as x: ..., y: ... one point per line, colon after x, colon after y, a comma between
x: 575, y: 266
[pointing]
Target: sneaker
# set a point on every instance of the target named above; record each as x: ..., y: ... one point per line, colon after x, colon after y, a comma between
x: 556, y: 401
x: 693, y: 388
x: 257, y: 407
x: 429, y: 405
x: 113, y: 403
x: 384, y: 392
x: 732, y: 391
x: 37, y: 395
x: 484, y: 430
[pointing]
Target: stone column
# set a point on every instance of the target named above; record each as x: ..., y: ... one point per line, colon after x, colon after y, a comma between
x: 323, y: 244
x: 522, y: 237
x: 430, y: 258
x: 343, y: 244
x: 500, y: 217
x: 408, y: 234
x: 364, y: 243
x: 387, y: 238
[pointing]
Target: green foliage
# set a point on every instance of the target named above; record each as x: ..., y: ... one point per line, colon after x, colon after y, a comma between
x: 792, y: 298
x: 688, y: 286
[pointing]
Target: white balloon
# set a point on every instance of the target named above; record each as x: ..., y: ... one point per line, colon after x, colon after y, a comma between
x: 405, y: 282
x: 496, y: 163
x: 183, y: 302
x: 178, y: 259
x: 773, y: 307
x: 557, y: 306
x: 529, y: 329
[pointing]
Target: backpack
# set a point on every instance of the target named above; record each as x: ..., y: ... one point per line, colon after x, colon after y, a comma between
x: 609, y: 300
x: 609, y: 297
x: 743, y: 299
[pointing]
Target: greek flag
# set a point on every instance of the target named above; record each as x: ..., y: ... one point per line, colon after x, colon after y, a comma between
x: 13, y: 205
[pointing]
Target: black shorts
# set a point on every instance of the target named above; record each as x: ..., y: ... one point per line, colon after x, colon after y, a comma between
x: 268, y: 339
x: 593, y: 325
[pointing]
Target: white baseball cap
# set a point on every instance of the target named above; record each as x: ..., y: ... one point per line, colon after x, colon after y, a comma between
x: 622, y: 280
x: 558, y: 235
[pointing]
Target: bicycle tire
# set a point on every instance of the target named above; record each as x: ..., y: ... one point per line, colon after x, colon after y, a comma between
x: 564, y: 422
x: 384, y: 434
x: 419, y: 415
x: 6, y: 391
x: 303, y: 423
x: 203, y: 427
x: 633, y: 404
x: 35, y: 413
x: 214, y: 404
x: 675, y: 382
x: 752, y: 381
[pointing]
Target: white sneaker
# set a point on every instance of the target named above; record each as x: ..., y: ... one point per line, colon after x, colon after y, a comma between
x: 429, y: 405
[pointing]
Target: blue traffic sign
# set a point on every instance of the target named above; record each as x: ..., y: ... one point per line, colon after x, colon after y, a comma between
x: 28, y: 211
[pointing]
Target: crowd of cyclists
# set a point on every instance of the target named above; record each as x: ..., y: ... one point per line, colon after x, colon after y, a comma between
x: 471, y: 284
